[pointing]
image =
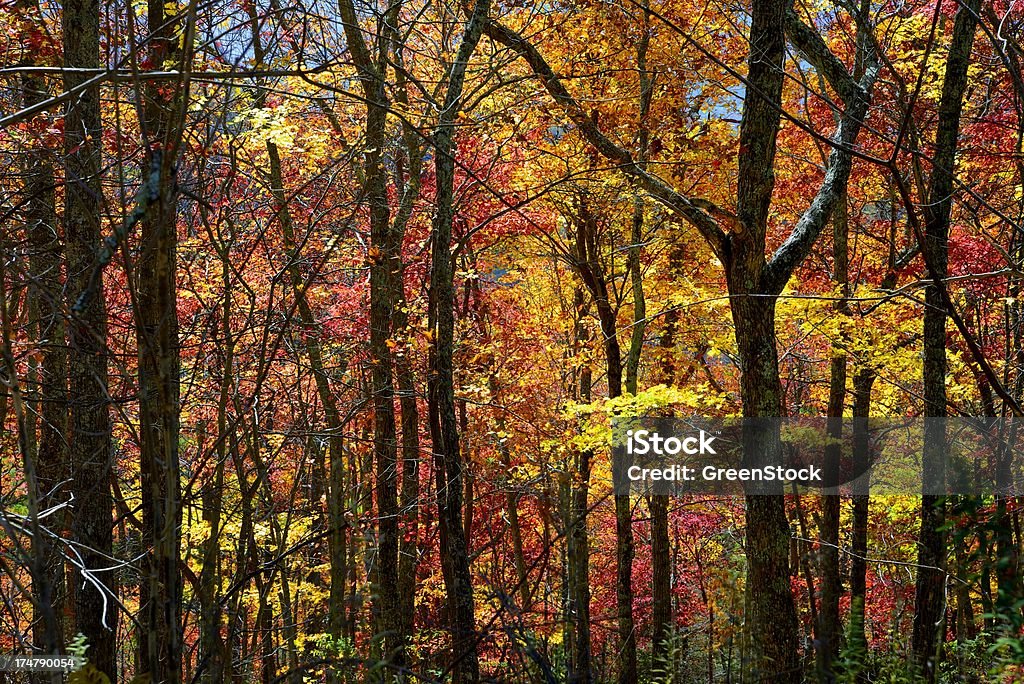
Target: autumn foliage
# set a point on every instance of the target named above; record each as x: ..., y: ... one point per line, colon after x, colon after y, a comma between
x: 315, y: 318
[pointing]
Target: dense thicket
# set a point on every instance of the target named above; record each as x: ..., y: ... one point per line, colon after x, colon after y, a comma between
x: 316, y: 317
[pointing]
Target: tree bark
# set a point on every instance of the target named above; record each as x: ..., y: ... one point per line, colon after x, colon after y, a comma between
x: 214, y: 652
x: 372, y: 70
x: 770, y: 630
x: 587, y: 262
x: 156, y: 319
x: 51, y: 454
x: 770, y: 634
x: 661, y: 580
x: 929, y: 600
x: 828, y: 631
x: 578, y: 542
x: 411, y: 165
x: 661, y: 553
x: 91, y: 453
x: 857, y: 645
x: 449, y: 467
x: 408, y: 559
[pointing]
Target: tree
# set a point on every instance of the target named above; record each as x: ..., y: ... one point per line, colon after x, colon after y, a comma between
x: 170, y: 45
x: 89, y: 422
x: 254, y: 242
x: 444, y: 433
x: 372, y: 68
x: 754, y: 280
x: 929, y: 602
x: 46, y: 265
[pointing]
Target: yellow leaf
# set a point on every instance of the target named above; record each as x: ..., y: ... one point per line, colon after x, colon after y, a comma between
x: 88, y: 675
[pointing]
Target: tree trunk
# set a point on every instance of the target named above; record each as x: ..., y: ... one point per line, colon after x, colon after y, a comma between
x: 156, y: 318
x: 591, y: 271
x: 828, y: 632
x: 770, y: 627
x: 213, y: 652
x: 372, y: 69
x: 511, y: 496
x: 857, y: 645
x: 929, y: 603
x: 385, y: 444
x: 91, y: 454
x: 578, y: 542
x: 964, y: 625
x: 410, y: 494
x: 661, y: 585
x: 51, y: 455
x: 661, y: 553
x: 661, y: 581
x: 449, y: 466
x: 770, y: 633
x: 409, y: 501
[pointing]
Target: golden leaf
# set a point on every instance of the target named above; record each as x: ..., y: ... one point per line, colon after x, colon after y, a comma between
x: 88, y: 675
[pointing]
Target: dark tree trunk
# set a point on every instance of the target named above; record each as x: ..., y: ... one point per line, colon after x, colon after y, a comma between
x: 408, y: 558
x: 591, y: 271
x: 409, y: 502
x: 770, y: 628
x: 214, y: 653
x: 156, y: 317
x: 91, y: 454
x: 828, y: 632
x: 444, y: 432
x: 511, y: 498
x: 372, y: 69
x: 410, y: 494
x: 661, y: 584
x: 661, y: 551
x: 51, y: 454
x: 214, y: 660
x: 578, y: 542
x: 965, y: 629
x: 385, y: 440
x: 929, y: 603
x: 857, y: 646
x: 771, y: 652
